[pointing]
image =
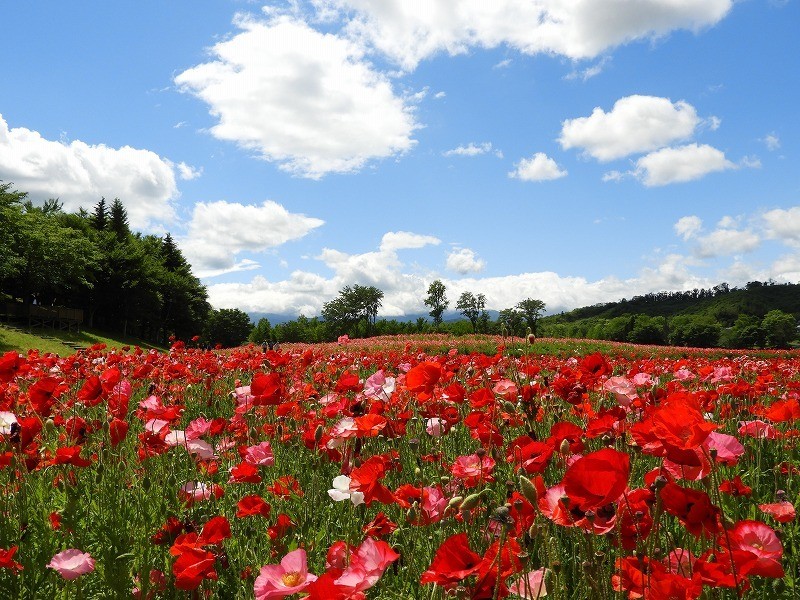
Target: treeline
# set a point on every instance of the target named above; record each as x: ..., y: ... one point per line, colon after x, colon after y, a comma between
x: 759, y: 315
x: 354, y: 313
x: 134, y: 284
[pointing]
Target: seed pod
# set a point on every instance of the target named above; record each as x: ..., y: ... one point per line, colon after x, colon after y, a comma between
x: 528, y: 490
x: 470, y: 501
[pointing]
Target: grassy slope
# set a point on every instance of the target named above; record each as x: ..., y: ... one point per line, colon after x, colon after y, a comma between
x: 24, y: 341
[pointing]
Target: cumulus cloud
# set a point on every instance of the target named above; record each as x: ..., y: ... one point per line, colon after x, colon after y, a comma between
x: 79, y: 174
x: 304, y: 99
x: 218, y: 231
x: 305, y: 292
x: 688, y: 227
x: 677, y: 165
x: 472, y: 149
x: 783, y: 224
x: 411, y: 31
x: 463, y: 261
x: 635, y: 124
x: 727, y: 241
x: 400, y: 240
x: 539, y: 167
x: 187, y: 172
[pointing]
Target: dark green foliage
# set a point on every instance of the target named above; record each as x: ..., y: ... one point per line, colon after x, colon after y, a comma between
x: 136, y: 285
x: 474, y: 308
x: 532, y: 310
x: 227, y: 327
x: 118, y: 220
x: 694, y: 331
x: 437, y: 301
x: 725, y: 316
x: 354, y: 311
x: 648, y: 330
x: 99, y: 218
x: 262, y: 332
x: 779, y: 329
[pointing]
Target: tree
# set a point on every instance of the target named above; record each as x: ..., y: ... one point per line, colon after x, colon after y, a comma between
x: 698, y: 331
x: 228, y: 327
x: 532, y: 309
x: 473, y: 308
x: 261, y: 332
x: 10, y: 218
x: 100, y: 215
x: 354, y: 305
x: 746, y: 332
x: 779, y: 328
x: 513, y: 320
x: 648, y: 330
x: 118, y: 220
x: 437, y: 301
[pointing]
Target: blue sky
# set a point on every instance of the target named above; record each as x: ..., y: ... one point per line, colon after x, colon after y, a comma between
x: 572, y: 151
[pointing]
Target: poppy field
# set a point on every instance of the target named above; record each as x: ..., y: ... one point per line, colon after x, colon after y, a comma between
x: 400, y: 468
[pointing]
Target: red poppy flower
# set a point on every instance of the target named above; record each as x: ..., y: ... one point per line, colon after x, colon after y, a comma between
x: 453, y: 562
x: 782, y: 512
x: 423, y: 378
x: 692, y: 507
x: 266, y: 389
x: 215, y: 530
x: 7, y: 559
x: 192, y: 567
x: 597, y: 479
x: 70, y: 456
x: 244, y: 472
x: 252, y: 505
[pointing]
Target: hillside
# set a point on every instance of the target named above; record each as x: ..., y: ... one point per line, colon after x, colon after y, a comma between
x: 721, y: 316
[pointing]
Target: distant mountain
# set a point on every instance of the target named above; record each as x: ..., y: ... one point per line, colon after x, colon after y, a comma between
x: 448, y: 316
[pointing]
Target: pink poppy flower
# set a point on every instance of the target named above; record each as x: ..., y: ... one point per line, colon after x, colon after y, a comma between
x: 72, y: 563
x: 260, y: 455
x: 531, y: 586
x: 285, y: 579
x: 624, y: 390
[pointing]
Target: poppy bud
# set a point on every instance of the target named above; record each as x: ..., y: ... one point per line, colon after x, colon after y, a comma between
x: 564, y: 447
x: 470, y: 502
x: 318, y: 433
x: 454, y: 501
x: 528, y: 490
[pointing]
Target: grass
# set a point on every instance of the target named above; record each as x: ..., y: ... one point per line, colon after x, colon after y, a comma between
x: 37, y: 339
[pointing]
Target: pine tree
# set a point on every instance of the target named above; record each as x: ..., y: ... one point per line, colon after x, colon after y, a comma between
x: 100, y: 215
x: 118, y: 220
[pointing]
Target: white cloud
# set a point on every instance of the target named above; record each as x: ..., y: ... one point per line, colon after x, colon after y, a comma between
x: 688, y: 227
x: 772, y: 141
x: 726, y: 242
x: 440, y: 95
x: 409, y: 31
x: 188, y: 172
x: 79, y: 174
x: 539, y: 167
x: 302, y: 98
x: 634, y: 125
x: 463, y: 261
x: 677, y: 165
x: 305, y: 292
x: 470, y: 149
x: 786, y: 269
x: 220, y: 230
x: 401, y: 240
x: 783, y: 224
x: 587, y: 73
